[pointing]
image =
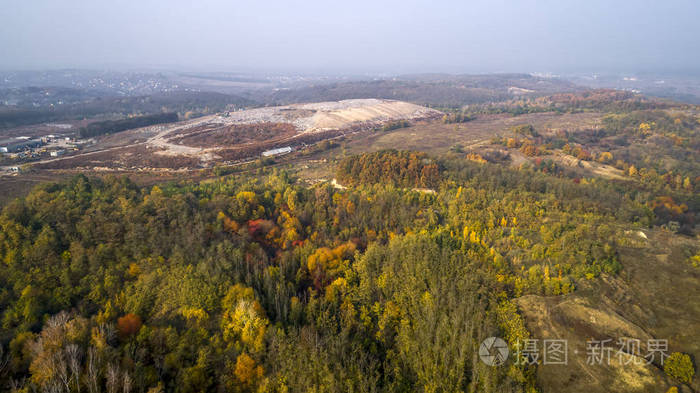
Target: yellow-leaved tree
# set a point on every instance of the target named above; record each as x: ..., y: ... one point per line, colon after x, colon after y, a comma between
x: 243, y: 321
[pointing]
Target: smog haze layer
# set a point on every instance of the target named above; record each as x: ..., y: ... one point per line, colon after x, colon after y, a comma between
x: 359, y: 36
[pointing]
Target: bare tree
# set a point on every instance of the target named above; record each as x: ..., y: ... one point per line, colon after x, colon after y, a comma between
x: 61, y: 369
x: 4, y: 360
x: 93, y: 370
x: 17, y: 385
x: 107, y: 332
x: 47, y: 366
x: 112, y: 378
x: 73, y: 355
x: 58, y: 320
x: 36, y: 347
x: 54, y: 386
x: 126, y: 384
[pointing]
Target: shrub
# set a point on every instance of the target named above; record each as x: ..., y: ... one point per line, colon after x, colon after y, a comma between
x: 679, y: 366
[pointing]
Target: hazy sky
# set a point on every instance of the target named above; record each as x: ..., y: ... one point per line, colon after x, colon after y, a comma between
x: 352, y: 35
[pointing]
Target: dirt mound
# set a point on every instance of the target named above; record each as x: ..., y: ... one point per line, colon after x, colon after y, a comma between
x: 343, y: 114
x: 246, y: 133
x: 331, y: 115
x: 597, y: 168
x: 578, y: 321
x: 644, y: 302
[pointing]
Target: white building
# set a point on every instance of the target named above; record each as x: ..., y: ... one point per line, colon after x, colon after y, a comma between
x: 276, y: 152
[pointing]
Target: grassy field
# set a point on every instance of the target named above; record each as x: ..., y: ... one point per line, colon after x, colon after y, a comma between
x: 437, y: 137
x: 12, y: 187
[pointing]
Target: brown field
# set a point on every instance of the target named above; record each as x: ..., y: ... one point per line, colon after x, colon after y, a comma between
x: 234, y: 134
x: 40, y: 130
x: 139, y: 156
x: 437, y: 137
x: 17, y: 186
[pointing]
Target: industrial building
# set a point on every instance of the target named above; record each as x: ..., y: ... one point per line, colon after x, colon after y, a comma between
x: 14, y: 145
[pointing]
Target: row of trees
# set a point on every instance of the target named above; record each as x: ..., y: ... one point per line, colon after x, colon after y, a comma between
x: 399, y: 168
x: 111, y: 126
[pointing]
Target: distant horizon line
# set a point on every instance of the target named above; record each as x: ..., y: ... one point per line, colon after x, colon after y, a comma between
x: 355, y: 72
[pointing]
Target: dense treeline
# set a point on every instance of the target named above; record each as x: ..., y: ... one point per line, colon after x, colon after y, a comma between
x: 259, y: 284
x: 399, y: 168
x: 603, y: 100
x: 112, y: 126
x: 457, y: 117
x: 85, y: 104
x: 395, y: 125
x: 439, y: 90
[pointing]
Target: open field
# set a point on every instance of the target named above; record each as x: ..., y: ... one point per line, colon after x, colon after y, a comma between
x: 437, y: 137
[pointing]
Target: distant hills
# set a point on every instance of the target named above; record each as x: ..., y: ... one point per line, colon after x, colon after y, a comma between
x: 437, y: 90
